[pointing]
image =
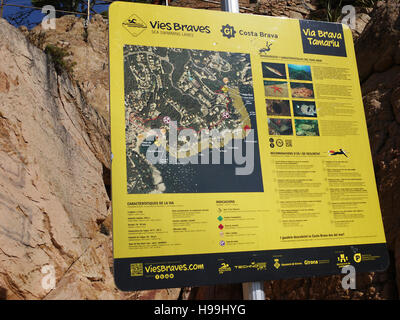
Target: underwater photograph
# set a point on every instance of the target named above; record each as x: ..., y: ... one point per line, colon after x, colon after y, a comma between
x: 306, y: 127
x: 274, y: 70
x: 304, y: 108
x: 278, y: 107
x: 276, y: 89
x: 298, y: 72
x: 280, y: 127
x: 302, y: 90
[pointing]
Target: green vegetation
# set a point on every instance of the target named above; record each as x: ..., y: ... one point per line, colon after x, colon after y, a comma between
x: 331, y: 10
x: 366, y: 3
x: 58, y: 56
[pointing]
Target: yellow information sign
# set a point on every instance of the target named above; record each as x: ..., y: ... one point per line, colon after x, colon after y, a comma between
x: 240, y: 149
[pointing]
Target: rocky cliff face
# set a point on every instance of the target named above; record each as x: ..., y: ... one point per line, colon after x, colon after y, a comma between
x: 88, y: 49
x: 54, y: 207
x: 54, y: 161
x: 378, y: 55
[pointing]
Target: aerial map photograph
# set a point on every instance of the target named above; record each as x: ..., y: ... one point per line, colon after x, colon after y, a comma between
x: 178, y: 89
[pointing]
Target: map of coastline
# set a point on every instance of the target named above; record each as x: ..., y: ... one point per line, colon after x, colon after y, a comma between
x: 188, y: 89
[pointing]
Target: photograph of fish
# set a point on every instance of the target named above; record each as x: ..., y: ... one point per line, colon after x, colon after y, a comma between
x: 302, y: 90
x: 276, y: 89
x: 274, y: 70
x: 306, y: 127
x: 278, y: 107
x: 298, y: 72
x: 280, y: 127
x: 304, y: 108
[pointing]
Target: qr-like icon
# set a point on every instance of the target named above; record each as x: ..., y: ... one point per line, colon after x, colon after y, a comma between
x: 288, y: 143
x: 136, y: 269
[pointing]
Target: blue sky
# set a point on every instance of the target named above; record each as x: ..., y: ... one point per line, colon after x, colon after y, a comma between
x: 36, y: 15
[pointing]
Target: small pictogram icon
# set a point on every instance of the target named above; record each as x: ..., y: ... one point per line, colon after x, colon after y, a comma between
x: 343, y: 258
x: 357, y: 257
x: 228, y: 31
x: 279, y: 142
x: 335, y: 153
x: 134, y: 25
x: 267, y: 47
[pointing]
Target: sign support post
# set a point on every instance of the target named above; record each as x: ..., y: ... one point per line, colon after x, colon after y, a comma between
x: 88, y: 12
x: 230, y: 6
x: 251, y: 290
